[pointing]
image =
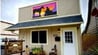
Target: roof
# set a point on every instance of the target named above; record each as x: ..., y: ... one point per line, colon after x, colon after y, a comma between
x: 9, y: 34
x: 47, y: 22
x: 6, y: 22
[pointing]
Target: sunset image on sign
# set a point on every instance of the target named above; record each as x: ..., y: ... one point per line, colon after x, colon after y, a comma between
x: 44, y: 10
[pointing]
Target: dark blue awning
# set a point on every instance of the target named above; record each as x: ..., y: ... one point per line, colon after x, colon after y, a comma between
x: 47, y: 22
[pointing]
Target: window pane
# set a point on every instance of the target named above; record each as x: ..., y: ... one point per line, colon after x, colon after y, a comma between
x: 42, y: 36
x: 68, y: 37
x: 35, y: 37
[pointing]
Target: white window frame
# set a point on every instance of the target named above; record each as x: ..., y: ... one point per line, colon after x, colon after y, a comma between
x: 39, y: 43
x: 70, y: 39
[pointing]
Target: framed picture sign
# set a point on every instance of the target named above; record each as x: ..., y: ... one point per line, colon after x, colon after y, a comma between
x: 44, y: 10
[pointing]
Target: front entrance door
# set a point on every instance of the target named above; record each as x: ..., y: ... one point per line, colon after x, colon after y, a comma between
x: 69, y: 43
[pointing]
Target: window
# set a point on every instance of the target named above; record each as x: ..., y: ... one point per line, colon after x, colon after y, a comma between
x: 39, y: 37
x: 68, y: 37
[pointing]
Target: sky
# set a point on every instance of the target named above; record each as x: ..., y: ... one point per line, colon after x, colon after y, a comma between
x: 9, y: 9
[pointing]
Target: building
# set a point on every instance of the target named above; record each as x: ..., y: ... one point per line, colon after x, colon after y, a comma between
x: 90, y: 35
x: 49, y: 24
x: 7, y: 34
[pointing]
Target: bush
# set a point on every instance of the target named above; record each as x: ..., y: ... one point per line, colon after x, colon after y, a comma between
x: 36, y: 50
x: 94, y: 50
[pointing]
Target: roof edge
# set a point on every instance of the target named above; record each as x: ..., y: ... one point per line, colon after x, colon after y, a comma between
x: 7, y: 22
x: 43, y: 26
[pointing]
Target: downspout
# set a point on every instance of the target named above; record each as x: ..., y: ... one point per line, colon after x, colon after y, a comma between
x: 89, y: 17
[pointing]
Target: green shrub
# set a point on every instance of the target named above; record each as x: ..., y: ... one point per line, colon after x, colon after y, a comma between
x: 36, y: 50
x: 94, y: 50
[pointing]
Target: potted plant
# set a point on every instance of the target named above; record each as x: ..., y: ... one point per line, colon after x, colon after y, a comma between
x: 36, y: 51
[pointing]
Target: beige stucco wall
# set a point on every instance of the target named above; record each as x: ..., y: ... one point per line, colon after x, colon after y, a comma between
x: 64, y: 8
x: 25, y: 34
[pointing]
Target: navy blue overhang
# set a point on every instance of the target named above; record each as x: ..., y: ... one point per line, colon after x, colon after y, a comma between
x: 60, y: 20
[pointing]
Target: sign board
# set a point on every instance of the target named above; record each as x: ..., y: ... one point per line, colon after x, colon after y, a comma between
x: 44, y: 10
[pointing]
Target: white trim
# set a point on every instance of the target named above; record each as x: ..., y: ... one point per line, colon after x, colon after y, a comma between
x: 61, y: 40
x: 45, y: 26
x: 73, y: 38
x: 39, y: 43
x: 73, y: 29
x: 77, y: 42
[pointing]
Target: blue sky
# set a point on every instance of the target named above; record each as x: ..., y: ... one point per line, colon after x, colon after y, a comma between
x: 9, y: 9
